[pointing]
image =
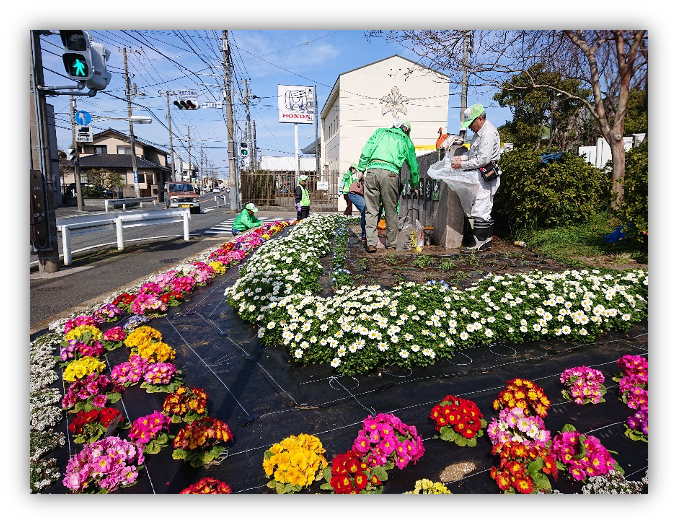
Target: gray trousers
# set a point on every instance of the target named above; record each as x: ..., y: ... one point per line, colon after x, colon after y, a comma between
x: 381, y: 183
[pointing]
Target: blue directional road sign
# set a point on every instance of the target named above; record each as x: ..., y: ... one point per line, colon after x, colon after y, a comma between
x: 83, y: 118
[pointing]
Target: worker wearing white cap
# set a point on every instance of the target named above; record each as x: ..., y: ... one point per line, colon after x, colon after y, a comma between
x: 302, y: 199
x: 483, y: 152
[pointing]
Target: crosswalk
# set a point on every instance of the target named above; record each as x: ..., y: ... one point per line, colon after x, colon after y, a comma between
x: 224, y: 228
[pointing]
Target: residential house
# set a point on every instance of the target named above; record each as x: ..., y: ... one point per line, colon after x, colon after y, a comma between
x: 111, y: 150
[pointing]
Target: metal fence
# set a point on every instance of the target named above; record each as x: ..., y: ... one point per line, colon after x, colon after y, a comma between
x: 275, y: 190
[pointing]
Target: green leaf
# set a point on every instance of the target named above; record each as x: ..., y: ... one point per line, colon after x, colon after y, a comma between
x: 568, y: 428
x: 380, y: 472
x: 113, y: 397
x: 459, y: 440
x: 326, y: 486
x: 472, y: 442
x: 448, y: 434
x: 541, y: 482
x: 534, y: 467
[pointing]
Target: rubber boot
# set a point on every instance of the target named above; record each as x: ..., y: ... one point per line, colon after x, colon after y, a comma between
x: 482, y: 235
x: 467, y: 238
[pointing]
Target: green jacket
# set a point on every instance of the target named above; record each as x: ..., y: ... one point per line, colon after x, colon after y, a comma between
x: 387, y: 149
x: 245, y: 221
x: 348, y: 179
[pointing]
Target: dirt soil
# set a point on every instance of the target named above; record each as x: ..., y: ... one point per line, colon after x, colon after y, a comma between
x: 389, y: 267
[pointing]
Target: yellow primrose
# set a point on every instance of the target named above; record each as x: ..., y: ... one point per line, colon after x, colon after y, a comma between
x: 82, y: 367
x: 79, y: 331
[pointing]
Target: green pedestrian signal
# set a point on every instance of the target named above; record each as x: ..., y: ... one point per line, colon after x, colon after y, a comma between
x: 77, y: 66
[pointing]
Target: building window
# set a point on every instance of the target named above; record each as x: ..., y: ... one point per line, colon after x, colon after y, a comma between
x: 142, y: 179
x: 99, y: 150
x: 124, y: 150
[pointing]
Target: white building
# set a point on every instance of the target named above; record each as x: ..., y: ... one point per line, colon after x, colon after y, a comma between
x: 369, y: 97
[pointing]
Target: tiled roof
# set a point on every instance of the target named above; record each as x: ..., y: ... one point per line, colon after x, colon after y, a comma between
x: 118, y: 161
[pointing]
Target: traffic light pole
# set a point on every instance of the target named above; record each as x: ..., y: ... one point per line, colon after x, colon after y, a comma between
x: 47, y: 247
x: 169, y: 124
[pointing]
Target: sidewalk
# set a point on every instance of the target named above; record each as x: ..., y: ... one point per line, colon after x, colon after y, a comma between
x: 92, y: 277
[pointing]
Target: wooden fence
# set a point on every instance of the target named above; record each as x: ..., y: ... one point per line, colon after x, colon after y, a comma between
x: 275, y: 190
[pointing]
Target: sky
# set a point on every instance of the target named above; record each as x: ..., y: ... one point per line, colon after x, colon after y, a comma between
x: 174, y: 59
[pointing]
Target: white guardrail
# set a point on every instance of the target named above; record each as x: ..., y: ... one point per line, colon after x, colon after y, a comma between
x: 125, y: 201
x: 119, y: 223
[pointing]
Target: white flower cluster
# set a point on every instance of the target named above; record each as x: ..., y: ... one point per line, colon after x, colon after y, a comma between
x: 361, y: 328
x: 613, y: 484
x: 45, y: 411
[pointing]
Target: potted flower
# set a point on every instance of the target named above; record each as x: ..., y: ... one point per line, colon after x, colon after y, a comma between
x: 525, y: 395
x: 584, y: 385
x: 385, y: 440
x: 294, y: 463
x: 633, y: 390
x: 80, y: 368
x: 207, y: 486
x: 146, y: 342
x: 523, y: 471
x: 124, y: 301
x: 197, y: 442
x: 428, y: 487
x: 81, y: 341
x: 151, y: 433
x: 161, y: 377
x: 581, y: 455
x: 91, y: 392
x: 114, y: 338
x: 128, y: 373
x: 350, y: 474
x: 108, y: 313
x: 95, y: 424
x: 458, y: 420
x: 104, y: 466
x: 522, y: 444
x: 186, y: 404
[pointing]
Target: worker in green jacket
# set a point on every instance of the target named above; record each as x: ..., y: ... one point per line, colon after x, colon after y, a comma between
x: 381, y: 159
x: 245, y: 220
x: 349, y: 177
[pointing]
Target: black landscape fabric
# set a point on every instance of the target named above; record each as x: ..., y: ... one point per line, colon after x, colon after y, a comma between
x: 265, y: 398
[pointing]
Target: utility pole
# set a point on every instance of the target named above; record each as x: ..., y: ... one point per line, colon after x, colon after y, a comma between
x: 76, y: 160
x: 254, y: 143
x: 232, y: 173
x: 131, y: 126
x: 202, y: 172
x: 317, y: 152
x: 189, y: 154
x: 169, y: 124
x: 249, y: 126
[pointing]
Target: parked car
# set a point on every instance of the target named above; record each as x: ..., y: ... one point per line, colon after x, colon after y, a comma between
x: 182, y: 194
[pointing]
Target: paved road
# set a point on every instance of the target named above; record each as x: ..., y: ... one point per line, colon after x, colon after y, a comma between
x: 97, y: 273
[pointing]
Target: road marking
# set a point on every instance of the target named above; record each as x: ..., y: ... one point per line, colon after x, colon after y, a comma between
x: 226, y: 226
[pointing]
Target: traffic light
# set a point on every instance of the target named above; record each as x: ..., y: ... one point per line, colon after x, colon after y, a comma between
x: 84, y: 60
x: 243, y: 149
x: 78, y: 57
x: 99, y: 59
x: 186, y: 104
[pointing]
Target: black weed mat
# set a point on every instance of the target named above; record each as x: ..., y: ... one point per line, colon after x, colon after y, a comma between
x: 264, y: 398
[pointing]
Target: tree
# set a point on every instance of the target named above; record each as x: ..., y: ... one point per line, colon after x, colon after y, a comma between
x: 533, y: 109
x: 607, y: 62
